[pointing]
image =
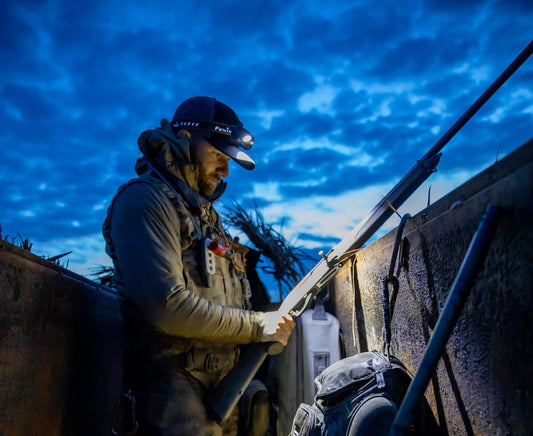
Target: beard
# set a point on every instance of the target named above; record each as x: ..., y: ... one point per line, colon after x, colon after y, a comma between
x: 207, y: 184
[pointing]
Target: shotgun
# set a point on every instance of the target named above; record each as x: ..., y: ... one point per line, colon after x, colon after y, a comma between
x: 229, y: 390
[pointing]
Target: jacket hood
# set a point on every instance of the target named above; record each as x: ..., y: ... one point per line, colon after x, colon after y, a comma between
x: 170, y: 155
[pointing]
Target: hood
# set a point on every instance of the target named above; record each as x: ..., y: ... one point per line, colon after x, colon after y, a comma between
x: 170, y: 155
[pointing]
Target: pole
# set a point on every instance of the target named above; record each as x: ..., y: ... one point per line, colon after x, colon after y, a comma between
x: 457, y: 297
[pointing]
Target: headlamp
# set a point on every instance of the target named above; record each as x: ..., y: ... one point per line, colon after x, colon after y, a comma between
x: 236, y: 134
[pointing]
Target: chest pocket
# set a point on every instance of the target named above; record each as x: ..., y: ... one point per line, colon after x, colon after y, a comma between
x: 217, y: 283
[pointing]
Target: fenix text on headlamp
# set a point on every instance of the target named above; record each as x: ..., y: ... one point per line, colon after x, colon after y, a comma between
x: 236, y: 135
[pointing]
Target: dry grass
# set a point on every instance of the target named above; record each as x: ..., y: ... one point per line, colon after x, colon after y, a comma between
x: 287, y: 260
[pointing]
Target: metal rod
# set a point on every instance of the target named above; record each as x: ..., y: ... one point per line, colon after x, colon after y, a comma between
x: 513, y: 66
x: 457, y: 297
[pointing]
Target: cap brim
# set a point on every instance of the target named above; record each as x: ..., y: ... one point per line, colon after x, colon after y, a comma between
x: 234, y: 153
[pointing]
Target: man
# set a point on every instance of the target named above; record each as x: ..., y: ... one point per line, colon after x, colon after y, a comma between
x: 180, y: 276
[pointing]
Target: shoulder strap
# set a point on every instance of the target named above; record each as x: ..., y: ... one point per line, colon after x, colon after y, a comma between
x: 173, y: 196
x: 106, y: 226
x: 178, y: 199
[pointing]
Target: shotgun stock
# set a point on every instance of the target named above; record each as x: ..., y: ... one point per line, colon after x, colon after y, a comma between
x: 228, y: 392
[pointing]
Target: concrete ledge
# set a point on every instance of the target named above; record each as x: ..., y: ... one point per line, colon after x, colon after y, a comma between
x: 60, y: 345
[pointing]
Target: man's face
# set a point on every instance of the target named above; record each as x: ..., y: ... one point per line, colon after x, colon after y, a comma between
x: 213, y: 165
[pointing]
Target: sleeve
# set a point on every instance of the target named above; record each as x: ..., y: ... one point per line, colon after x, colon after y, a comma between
x: 145, y: 230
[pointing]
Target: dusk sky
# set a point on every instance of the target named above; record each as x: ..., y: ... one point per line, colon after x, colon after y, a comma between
x: 342, y: 97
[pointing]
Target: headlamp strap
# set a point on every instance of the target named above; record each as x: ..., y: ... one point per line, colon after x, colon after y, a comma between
x: 223, y: 129
x: 236, y: 133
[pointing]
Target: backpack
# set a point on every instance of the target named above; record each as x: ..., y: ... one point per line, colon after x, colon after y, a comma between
x: 360, y: 395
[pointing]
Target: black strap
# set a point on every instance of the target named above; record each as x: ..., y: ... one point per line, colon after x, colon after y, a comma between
x: 391, y: 279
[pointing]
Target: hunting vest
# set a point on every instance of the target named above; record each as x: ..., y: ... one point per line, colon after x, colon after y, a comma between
x: 218, y: 278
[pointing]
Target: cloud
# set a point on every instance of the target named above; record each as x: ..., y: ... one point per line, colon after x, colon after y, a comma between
x: 342, y: 100
x: 320, y: 99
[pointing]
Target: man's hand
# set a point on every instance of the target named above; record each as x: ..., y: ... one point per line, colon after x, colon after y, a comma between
x: 277, y: 327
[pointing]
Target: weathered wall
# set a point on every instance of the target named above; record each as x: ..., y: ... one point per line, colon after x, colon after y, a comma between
x: 483, y: 385
x: 60, y: 349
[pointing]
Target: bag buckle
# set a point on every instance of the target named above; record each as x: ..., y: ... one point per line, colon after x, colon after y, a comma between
x: 124, y: 418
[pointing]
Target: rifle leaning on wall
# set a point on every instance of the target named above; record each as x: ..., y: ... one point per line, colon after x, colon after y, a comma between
x: 230, y: 389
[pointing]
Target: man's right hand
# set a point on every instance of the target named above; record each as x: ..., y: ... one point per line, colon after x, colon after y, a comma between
x: 277, y: 327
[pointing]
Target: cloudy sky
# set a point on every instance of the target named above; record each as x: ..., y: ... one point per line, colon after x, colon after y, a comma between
x: 342, y: 97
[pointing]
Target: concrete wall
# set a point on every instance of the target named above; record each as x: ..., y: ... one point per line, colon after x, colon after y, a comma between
x: 483, y: 385
x: 60, y: 349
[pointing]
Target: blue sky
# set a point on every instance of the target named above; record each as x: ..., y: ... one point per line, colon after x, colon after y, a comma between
x: 342, y: 97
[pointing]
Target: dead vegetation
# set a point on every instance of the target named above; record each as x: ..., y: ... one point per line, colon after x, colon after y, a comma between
x: 24, y: 242
x: 286, y: 260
